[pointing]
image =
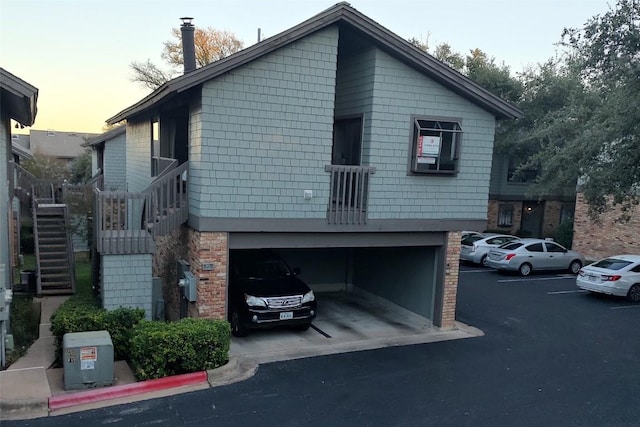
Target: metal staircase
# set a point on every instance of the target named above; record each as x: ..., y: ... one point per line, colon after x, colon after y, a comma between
x: 54, y: 253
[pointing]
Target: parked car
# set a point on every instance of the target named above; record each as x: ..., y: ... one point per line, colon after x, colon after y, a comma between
x: 264, y: 291
x: 475, y: 248
x: 618, y: 275
x: 467, y: 233
x: 527, y: 255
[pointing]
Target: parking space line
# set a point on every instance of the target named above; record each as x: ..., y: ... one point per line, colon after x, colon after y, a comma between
x: 476, y: 271
x: 577, y: 291
x: 320, y: 331
x: 538, y: 279
x: 624, y: 306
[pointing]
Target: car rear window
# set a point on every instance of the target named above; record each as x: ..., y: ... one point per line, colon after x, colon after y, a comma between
x: 612, y: 264
x: 470, y: 239
x: 511, y: 245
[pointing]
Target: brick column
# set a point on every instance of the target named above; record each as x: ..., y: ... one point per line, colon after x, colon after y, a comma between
x: 450, y: 291
x: 208, y: 256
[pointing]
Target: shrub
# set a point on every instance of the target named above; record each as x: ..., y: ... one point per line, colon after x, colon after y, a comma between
x: 564, y: 234
x: 160, y: 349
x: 83, y: 314
x: 25, y: 324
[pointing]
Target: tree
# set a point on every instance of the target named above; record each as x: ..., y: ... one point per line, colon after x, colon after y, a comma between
x: 595, y: 137
x: 210, y: 45
x: 81, y: 168
x: 43, y: 166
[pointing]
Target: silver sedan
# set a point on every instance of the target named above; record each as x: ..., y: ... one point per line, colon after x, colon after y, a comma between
x: 527, y: 255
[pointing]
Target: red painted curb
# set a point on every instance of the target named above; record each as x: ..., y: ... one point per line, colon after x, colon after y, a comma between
x: 106, y: 393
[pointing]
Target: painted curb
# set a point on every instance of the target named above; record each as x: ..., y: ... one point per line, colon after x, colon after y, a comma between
x: 90, y: 396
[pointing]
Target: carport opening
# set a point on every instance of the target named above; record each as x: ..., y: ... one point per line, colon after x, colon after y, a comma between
x: 388, y: 280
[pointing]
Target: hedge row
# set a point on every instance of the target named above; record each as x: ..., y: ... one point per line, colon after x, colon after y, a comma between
x: 190, y: 345
x: 153, y: 349
x: 83, y: 314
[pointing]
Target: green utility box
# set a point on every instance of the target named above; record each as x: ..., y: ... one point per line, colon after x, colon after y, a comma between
x: 88, y: 360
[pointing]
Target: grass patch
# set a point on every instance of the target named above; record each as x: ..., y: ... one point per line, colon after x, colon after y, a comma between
x: 83, y: 274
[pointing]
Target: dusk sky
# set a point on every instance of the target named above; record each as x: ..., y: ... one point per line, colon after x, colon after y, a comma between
x: 77, y: 52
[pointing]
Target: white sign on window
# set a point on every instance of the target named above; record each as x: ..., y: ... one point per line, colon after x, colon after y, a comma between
x: 428, y: 145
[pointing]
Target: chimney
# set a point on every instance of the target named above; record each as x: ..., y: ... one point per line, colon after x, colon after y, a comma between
x: 188, y: 45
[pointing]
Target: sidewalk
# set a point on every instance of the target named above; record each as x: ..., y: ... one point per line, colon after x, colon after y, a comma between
x: 29, y: 389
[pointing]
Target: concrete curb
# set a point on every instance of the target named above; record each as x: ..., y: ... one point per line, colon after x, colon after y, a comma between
x: 90, y: 396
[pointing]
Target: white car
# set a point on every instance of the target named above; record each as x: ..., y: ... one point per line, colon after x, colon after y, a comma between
x: 617, y: 275
x: 476, y: 247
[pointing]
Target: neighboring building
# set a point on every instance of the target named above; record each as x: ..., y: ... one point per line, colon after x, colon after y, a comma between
x: 337, y: 143
x: 18, y: 101
x: 608, y: 235
x: 65, y: 146
x: 19, y: 152
x: 109, y: 157
x: 513, y: 209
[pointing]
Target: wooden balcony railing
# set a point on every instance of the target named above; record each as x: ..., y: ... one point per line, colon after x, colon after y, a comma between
x: 349, y: 194
x: 127, y: 223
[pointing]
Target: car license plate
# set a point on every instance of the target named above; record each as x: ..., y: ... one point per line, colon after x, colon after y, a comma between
x: 592, y: 278
x: 286, y: 315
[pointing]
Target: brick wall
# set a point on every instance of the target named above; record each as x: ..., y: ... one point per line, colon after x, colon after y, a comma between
x: 606, y: 237
x: 493, y: 212
x: 209, y: 248
x: 201, y: 250
x: 551, y: 219
x: 169, y: 250
x: 450, y: 293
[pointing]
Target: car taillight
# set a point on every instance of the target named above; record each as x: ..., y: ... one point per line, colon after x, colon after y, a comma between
x: 611, y: 278
x: 509, y: 256
x: 473, y: 247
x: 580, y: 273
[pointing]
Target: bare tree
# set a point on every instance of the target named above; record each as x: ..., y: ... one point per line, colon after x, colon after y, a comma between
x: 211, y: 45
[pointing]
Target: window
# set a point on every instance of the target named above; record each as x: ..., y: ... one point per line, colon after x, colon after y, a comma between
x: 517, y: 175
x: 155, y: 146
x: 552, y: 247
x: 535, y: 247
x: 566, y: 213
x: 435, y: 146
x: 505, y: 215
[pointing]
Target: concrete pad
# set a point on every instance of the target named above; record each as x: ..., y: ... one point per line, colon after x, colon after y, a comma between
x: 24, y: 393
x: 345, y: 322
x: 122, y: 374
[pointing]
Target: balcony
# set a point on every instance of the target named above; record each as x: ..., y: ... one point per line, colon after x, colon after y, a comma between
x: 349, y: 193
x: 128, y: 223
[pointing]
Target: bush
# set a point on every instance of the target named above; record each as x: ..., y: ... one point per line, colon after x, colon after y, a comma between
x: 25, y: 324
x: 83, y: 314
x: 564, y: 234
x: 190, y: 345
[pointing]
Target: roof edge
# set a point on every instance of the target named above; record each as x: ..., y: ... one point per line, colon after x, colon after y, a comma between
x: 341, y: 12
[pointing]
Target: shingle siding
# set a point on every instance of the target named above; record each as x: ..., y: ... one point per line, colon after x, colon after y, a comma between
x: 400, y: 93
x: 5, y: 155
x: 115, y: 164
x: 138, y: 154
x: 266, y: 131
x: 126, y: 282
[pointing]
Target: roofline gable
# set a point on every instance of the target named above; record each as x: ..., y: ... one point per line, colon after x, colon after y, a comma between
x: 19, y: 97
x: 339, y: 13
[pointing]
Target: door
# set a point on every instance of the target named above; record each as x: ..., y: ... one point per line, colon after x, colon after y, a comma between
x: 557, y: 256
x: 532, y: 213
x: 347, y: 141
